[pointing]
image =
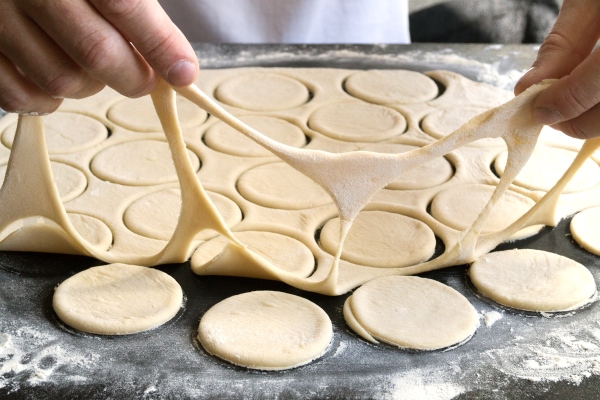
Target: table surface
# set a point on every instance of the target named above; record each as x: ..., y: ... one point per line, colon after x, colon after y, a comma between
x: 512, y: 355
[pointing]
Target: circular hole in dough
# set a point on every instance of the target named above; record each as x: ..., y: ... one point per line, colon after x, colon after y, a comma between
x: 391, y: 86
x: 459, y: 206
x: 441, y: 123
x: 92, y: 230
x: 355, y: 121
x: 266, y: 330
x: 70, y: 181
x: 223, y: 138
x: 284, y: 252
x: 277, y: 185
x: 547, y: 165
x: 139, y: 114
x: 262, y: 91
x: 117, y: 299
x: 381, y: 239
x: 585, y: 229
x: 431, y: 174
x: 138, y: 163
x: 65, y: 132
x: 411, y: 312
x: 156, y: 214
x: 533, y: 280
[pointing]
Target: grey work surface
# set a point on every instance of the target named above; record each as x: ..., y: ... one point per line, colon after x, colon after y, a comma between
x: 40, y: 358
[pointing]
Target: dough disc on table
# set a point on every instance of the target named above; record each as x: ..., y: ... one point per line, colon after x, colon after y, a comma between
x: 585, y: 228
x: 411, y: 312
x: 117, y: 299
x: 381, y: 239
x: 533, y: 280
x: 266, y: 330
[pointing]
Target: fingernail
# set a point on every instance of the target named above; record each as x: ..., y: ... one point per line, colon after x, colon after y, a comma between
x: 182, y: 73
x: 546, y: 116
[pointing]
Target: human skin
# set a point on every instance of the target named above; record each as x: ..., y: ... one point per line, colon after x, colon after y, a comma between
x: 50, y: 50
x: 572, y: 104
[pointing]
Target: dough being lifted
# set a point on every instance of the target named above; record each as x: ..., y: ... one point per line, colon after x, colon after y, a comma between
x: 266, y: 330
x: 117, y: 299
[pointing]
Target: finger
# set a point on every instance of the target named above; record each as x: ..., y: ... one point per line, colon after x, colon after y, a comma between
x: 572, y: 95
x: 21, y: 96
x: 94, y: 44
x: 42, y: 61
x: 570, y: 41
x: 585, y: 126
x: 154, y: 35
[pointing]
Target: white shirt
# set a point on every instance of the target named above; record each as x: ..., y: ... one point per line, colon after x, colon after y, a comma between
x: 291, y: 21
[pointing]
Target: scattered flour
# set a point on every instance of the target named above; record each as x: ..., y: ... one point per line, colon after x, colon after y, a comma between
x: 491, y: 317
x: 424, y: 385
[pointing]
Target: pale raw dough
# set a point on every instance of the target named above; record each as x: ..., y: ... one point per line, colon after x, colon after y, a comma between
x: 93, y: 230
x: 266, y: 330
x: 223, y: 138
x: 391, y: 86
x: 585, y: 228
x: 355, y: 121
x: 381, y: 239
x: 533, y: 280
x: 140, y: 162
x: 262, y: 91
x: 546, y: 166
x: 411, y: 312
x: 117, y: 299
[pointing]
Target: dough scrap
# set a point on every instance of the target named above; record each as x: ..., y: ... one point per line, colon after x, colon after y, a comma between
x: 411, y: 312
x: 533, y: 280
x: 585, y: 229
x: 117, y: 299
x: 266, y: 330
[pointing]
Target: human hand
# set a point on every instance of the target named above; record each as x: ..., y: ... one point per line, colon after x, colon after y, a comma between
x: 572, y: 104
x: 54, y: 49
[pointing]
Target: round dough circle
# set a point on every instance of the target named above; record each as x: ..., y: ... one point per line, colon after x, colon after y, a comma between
x: 93, y: 230
x: 65, y: 132
x: 533, y: 280
x: 156, y: 214
x: 355, y: 121
x: 266, y: 330
x: 117, y: 299
x: 584, y: 228
x: 459, y: 206
x: 70, y: 181
x: 547, y: 165
x: 139, y: 114
x: 221, y: 137
x: 412, y: 312
x: 138, y: 163
x: 391, y: 86
x: 381, y: 239
x: 262, y: 91
x: 277, y: 185
x: 428, y: 175
x: 441, y: 123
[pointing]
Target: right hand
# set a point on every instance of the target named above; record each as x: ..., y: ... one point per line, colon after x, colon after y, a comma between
x: 52, y: 49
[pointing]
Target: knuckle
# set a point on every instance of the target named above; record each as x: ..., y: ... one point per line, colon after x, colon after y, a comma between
x: 575, y: 100
x: 145, y: 87
x: 14, y: 101
x: 97, y: 51
x: 155, y: 47
x: 63, y: 84
x: 122, y: 8
x: 558, y: 41
x: 576, y: 130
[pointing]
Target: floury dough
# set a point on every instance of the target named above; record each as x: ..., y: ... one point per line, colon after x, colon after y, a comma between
x: 584, y: 228
x: 117, y: 299
x: 266, y: 330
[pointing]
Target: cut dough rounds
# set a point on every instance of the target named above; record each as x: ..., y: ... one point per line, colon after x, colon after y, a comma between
x: 139, y: 114
x: 262, y: 91
x: 391, y: 86
x: 585, y: 228
x: 266, y: 330
x: 92, y: 229
x: 65, y: 132
x: 140, y: 162
x: 381, y: 239
x: 117, y: 299
x: 411, y: 312
x: 533, y: 280
x: 547, y: 165
x: 156, y: 215
x: 356, y: 121
x: 223, y: 138
x: 428, y: 175
x: 277, y: 185
x: 459, y: 206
